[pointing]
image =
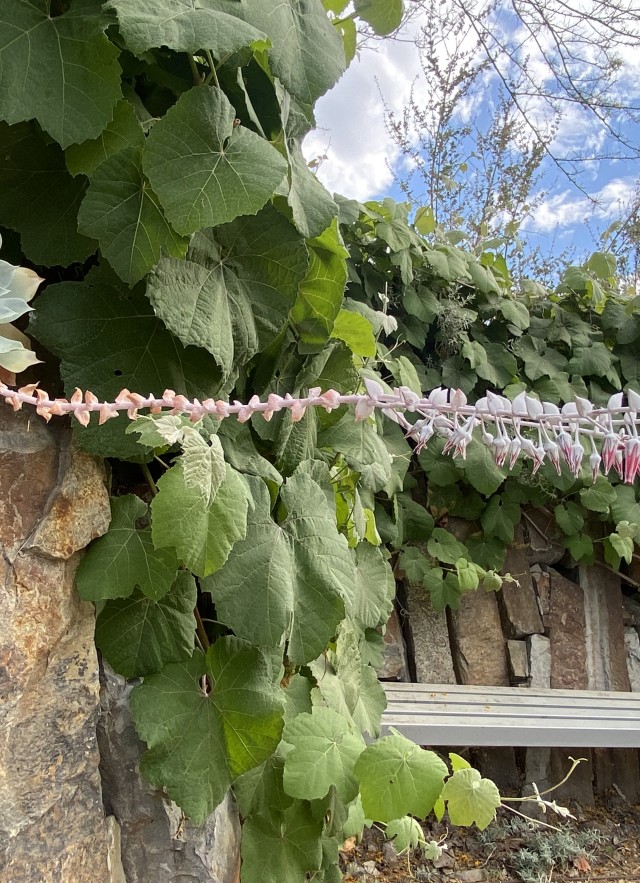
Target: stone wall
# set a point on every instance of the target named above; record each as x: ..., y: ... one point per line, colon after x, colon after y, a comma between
x: 73, y: 808
x: 547, y: 631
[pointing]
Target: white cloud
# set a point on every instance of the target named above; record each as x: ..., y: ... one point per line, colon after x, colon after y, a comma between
x: 563, y: 209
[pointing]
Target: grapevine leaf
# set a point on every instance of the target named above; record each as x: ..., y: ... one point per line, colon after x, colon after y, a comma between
x: 480, y: 469
x: 414, y: 564
x: 125, y: 558
x: 406, y: 833
x: 599, y: 496
x: 40, y: 199
x: 500, y: 518
x: 440, y: 469
x: 122, y: 212
x: 580, y: 547
x: 625, y: 507
x: 569, y: 518
x: 398, y: 777
x: 445, y: 547
x: 123, y: 131
x: 108, y: 339
x: 363, y: 449
x: 515, y: 312
x: 307, y: 54
x: 321, y: 291
x: 444, y: 590
x: 281, y: 847
x: 322, y: 752
x: 488, y: 552
x: 185, y: 26
x: 60, y: 70
x: 202, y: 535
x: 356, y: 332
x: 348, y: 685
x: 293, y: 576
x: 233, y: 293
x: 374, y: 587
x: 595, y: 359
x: 139, y: 636
x: 623, y: 546
x: 311, y: 205
x: 210, y: 174
x: 539, y: 360
x: 470, y: 798
x: 458, y: 763
x: 260, y: 790
x: 383, y: 16
x: 203, y: 465
x: 240, y: 452
x: 198, y: 741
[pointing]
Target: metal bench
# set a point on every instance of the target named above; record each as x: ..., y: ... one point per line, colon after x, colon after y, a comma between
x: 512, y: 716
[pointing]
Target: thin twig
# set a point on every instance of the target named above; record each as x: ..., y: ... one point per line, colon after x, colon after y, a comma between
x: 149, y: 478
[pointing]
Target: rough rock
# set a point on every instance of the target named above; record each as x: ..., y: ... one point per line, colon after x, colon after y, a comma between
x: 632, y: 646
x: 546, y: 543
x: 518, y: 660
x: 631, y: 611
x: 53, y: 501
x: 478, y: 645
x: 394, y: 662
x: 604, y: 630
x: 428, y: 638
x: 542, y: 585
x: 518, y: 601
x: 539, y: 662
x: 567, y: 635
x: 158, y: 843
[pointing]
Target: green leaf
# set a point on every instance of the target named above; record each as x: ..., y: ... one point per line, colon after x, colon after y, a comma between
x: 443, y: 590
x: 109, y: 338
x: 321, y: 291
x: 218, y: 172
x: 374, y: 588
x: 599, y: 496
x: 470, y: 798
x: 414, y: 564
x: 540, y: 361
x: 198, y: 741
x: 356, y: 332
x: 500, y: 518
x: 123, y: 131
x: 515, y: 312
x: 596, y: 359
x: 580, y: 547
x: 363, y: 449
x: 440, y: 469
x: 625, y: 507
x: 569, y: 517
x: 623, y: 546
x: 241, y: 453
x: 445, y: 547
x: 60, y: 70
x: 384, y: 16
x: 233, y: 292
x: 458, y: 763
x: 139, y: 636
x: 125, y: 558
x: 40, y: 199
x: 203, y: 465
x: 348, y: 685
x: 468, y: 577
x: 397, y: 777
x: 292, y: 576
x: 122, y: 212
x: 185, y: 26
x: 281, y: 847
x: 474, y: 353
x: 322, y: 752
x: 480, y: 469
x: 202, y: 535
x: 307, y: 54
x: 260, y: 790
x: 424, y: 221
x: 406, y: 833
x: 312, y: 207
x: 501, y: 365
x: 488, y: 552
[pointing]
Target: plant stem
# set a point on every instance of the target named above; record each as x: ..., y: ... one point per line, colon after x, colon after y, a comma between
x: 212, y: 76
x: 149, y: 478
x: 200, y: 630
x: 197, y: 76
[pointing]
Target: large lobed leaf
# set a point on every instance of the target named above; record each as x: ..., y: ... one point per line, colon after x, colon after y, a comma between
x: 292, y: 576
x: 60, y: 70
x: 200, y: 740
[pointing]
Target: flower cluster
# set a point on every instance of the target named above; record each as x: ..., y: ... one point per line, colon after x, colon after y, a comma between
x: 524, y: 427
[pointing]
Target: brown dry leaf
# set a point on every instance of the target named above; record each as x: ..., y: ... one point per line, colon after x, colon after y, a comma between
x: 349, y: 845
x: 582, y: 864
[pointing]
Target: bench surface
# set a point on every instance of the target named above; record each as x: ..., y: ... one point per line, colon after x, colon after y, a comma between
x: 519, y: 717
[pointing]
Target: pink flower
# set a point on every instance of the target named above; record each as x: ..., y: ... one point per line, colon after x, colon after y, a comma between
x: 594, y: 462
x: 609, y: 449
x: 632, y: 460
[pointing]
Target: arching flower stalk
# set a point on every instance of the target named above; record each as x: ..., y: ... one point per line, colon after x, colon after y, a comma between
x: 539, y: 431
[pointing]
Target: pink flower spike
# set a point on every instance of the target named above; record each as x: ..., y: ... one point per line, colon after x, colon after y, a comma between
x: 609, y: 449
x: 594, y: 462
x: 107, y: 412
x: 423, y: 436
x: 82, y: 416
x: 275, y: 402
x: 575, y: 458
x: 618, y: 464
x: 408, y: 397
x: 76, y: 398
x: 373, y: 388
x: 90, y: 398
x: 314, y: 392
x: 298, y: 411
x: 330, y: 400
x: 29, y: 389
x: 245, y: 413
x: 364, y: 408
x: 564, y: 443
x: 123, y: 397
x: 632, y: 460
x: 168, y: 396
x: 514, y: 450
x: 500, y: 447
x: 56, y: 410
x: 222, y: 408
x: 14, y: 401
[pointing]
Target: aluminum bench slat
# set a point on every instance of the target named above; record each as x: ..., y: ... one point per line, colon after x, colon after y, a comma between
x: 494, y: 716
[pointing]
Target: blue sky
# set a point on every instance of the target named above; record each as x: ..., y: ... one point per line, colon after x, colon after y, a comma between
x: 360, y: 154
